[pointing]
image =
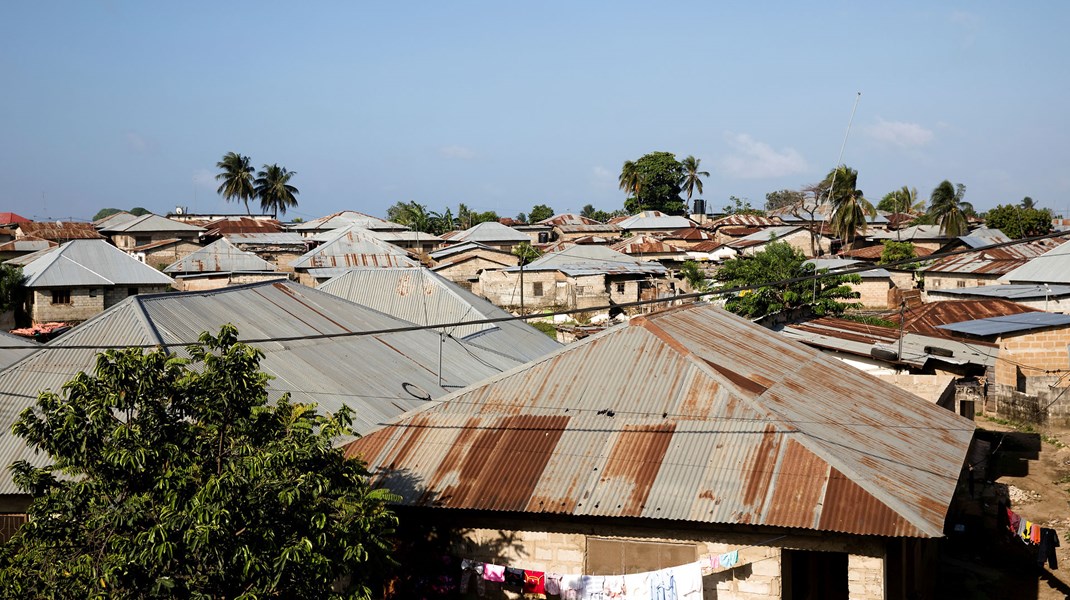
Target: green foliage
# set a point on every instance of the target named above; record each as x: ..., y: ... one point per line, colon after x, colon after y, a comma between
x: 654, y: 184
x: 521, y: 218
x: 105, y: 212
x: 695, y: 276
x: 903, y: 200
x: 871, y: 320
x: 779, y: 261
x: 897, y: 251
x: 526, y: 252
x: 738, y: 206
x: 236, y: 175
x: 1018, y: 222
x: 139, y: 211
x: 540, y: 212
x: 949, y: 210
x: 11, y: 279
x: 783, y: 199
x: 274, y: 190
x: 692, y: 176
x: 849, y: 206
x: 176, y: 478
x: 545, y: 327
x: 601, y: 216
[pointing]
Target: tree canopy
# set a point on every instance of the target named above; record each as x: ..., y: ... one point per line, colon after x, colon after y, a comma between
x: 274, y: 190
x: 174, y: 477
x: 653, y: 183
x: 849, y: 206
x: 106, y: 212
x: 692, y: 176
x: 948, y: 209
x: 11, y: 279
x: 783, y: 199
x: 896, y: 251
x: 236, y: 175
x: 1018, y: 221
x: 780, y: 261
x: 903, y: 200
x: 539, y: 212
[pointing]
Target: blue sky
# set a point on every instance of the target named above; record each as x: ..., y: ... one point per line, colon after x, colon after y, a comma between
x: 503, y: 105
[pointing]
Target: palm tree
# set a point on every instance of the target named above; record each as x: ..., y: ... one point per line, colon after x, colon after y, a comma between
x: 274, y: 189
x: 849, y: 207
x: 905, y: 200
x: 1028, y: 202
x: 630, y: 181
x: 692, y: 176
x: 237, y: 178
x: 948, y: 208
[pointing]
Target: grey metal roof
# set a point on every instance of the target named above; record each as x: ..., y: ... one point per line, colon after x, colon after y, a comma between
x: 589, y: 259
x: 14, y: 348
x: 283, y: 238
x: 461, y: 248
x: 1051, y: 267
x: 354, y: 246
x: 834, y: 264
x: 423, y: 297
x: 1011, y: 291
x: 690, y: 414
x: 765, y: 235
x: 220, y: 256
x: 1009, y: 324
x: 346, y: 218
x: 150, y: 223
x: 379, y: 376
x: 984, y: 236
x: 89, y: 263
x: 114, y: 219
x: 652, y: 219
x: 915, y: 233
x: 490, y: 232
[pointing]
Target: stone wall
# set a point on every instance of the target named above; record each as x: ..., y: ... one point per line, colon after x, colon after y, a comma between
x: 162, y: 257
x: 929, y: 387
x: 555, y: 547
x: 944, y: 281
x: 542, y: 289
x: 873, y: 293
x: 467, y: 271
x: 85, y: 303
x: 1032, y: 354
x: 115, y: 295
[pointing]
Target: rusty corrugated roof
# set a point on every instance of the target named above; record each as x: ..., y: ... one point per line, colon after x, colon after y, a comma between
x: 59, y: 231
x: 993, y: 261
x: 927, y: 318
x: 739, y: 220
x: 646, y: 244
x: 691, y: 414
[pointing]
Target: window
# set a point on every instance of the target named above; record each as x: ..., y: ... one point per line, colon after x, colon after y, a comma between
x: 141, y: 240
x: 536, y: 288
x: 131, y: 291
x: 962, y: 283
x: 61, y: 296
x: 605, y: 555
x: 620, y: 288
x: 93, y: 292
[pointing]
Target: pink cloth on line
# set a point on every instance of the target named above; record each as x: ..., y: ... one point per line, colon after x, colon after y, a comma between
x: 494, y: 572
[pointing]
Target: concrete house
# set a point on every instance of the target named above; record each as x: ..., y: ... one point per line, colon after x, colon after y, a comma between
x: 873, y: 290
x: 582, y: 276
x: 569, y: 227
x: 220, y: 264
x: 677, y: 436
x: 343, y: 219
x: 1037, y: 296
x: 796, y: 236
x: 155, y: 240
x: 488, y: 233
x: 651, y: 222
x: 462, y: 263
x: 983, y: 267
x: 280, y: 249
x: 79, y: 279
x: 1051, y: 267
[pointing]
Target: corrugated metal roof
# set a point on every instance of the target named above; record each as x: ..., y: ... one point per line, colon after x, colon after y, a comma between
x: 27, y: 244
x: 59, y: 231
x: 874, y: 253
x: 984, y: 236
x: 426, y: 298
x: 151, y: 223
x: 592, y: 260
x: 993, y: 261
x: 915, y: 233
x: 652, y: 219
x: 354, y: 247
x: 220, y: 256
x: 282, y: 238
x: 346, y: 218
x: 569, y: 219
x: 1020, y: 291
x: 691, y: 414
x: 1009, y: 324
x: 1051, y: 267
x: 927, y: 318
x: 490, y: 232
x: 23, y: 347
x: 114, y: 219
x: 8, y: 218
x: 89, y: 263
x: 464, y: 247
x: 744, y: 221
x: 379, y: 376
x: 647, y: 244
x: 764, y: 236
x: 240, y: 225
x: 691, y: 234
x: 834, y: 264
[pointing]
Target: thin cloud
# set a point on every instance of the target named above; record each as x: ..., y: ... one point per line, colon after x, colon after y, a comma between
x: 751, y: 159
x: 457, y: 152
x: 899, y: 133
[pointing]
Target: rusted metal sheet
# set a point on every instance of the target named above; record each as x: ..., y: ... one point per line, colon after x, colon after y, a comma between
x: 689, y: 414
x: 993, y: 261
x: 646, y: 244
x: 354, y: 247
x: 927, y: 318
x: 220, y: 256
x: 750, y: 221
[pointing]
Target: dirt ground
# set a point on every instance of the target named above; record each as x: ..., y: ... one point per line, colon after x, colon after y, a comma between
x: 995, y: 565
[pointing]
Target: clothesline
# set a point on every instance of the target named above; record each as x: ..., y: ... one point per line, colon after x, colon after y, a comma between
x: 1045, y: 539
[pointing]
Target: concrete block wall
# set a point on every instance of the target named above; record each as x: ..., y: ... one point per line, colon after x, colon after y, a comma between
x: 865, y: 577
x: 85, y: 304
x: 873, y: 293
x: 930, y: 387
x: 1044, y: 350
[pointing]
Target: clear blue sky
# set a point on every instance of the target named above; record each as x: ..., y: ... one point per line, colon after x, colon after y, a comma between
x: 502, y: 105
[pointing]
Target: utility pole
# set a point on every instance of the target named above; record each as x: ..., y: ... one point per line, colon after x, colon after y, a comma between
x: 902, y: 311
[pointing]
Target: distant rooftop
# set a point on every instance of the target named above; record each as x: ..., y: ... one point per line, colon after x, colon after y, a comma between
x: 1009, y: 324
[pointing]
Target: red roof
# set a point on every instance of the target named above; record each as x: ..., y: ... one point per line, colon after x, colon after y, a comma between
x: 7, y: 218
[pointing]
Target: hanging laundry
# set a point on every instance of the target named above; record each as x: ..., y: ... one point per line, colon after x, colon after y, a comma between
x: 553, y: 584
x: 594, y: 588
x: 514, y: 577
x: 663, y: 585
x: 1034, y: 534
x: 494, y: 572
x: 729, y: 559
x: 534, y: 582
x: 688, y: 579
x: 638, y: 586
x: 572, y: 587
x: 1049, y: 541
x: 614, y: 588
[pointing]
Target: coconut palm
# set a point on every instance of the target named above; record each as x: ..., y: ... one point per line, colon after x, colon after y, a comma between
x: 237, y: 178
x: 630, y: 180
x: 849, y: 207
x: 274, y: 189
x: 692, y: 176
x: 949, y: 210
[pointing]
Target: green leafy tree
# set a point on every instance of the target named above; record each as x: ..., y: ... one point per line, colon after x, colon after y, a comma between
x: 483, y: 217
x: 274, y: 190
x: 588, y: 211
x: 412, y: 215
x: 654, y: 182
x: 443, y: 222
x: 780, y: 261
x: 849, y: 206
x: 783, y: 199
x: 1028, y: 202
x: 692, y: 176
x: 139, y: 211
x: 177, y: 478
x: 949, y: 210
x: 694, y: 276
x: 897, y: 251
x: 540, y: 212
x: 237, y: 179
x: 526, y: 252
x: 106, y: 212
x: 1018, y: 222
x: 741, y: 206
x: 11, y: 291
x: 521, y: 218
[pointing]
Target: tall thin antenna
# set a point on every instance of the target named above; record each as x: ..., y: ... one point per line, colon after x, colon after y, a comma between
x: 832, y: 185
